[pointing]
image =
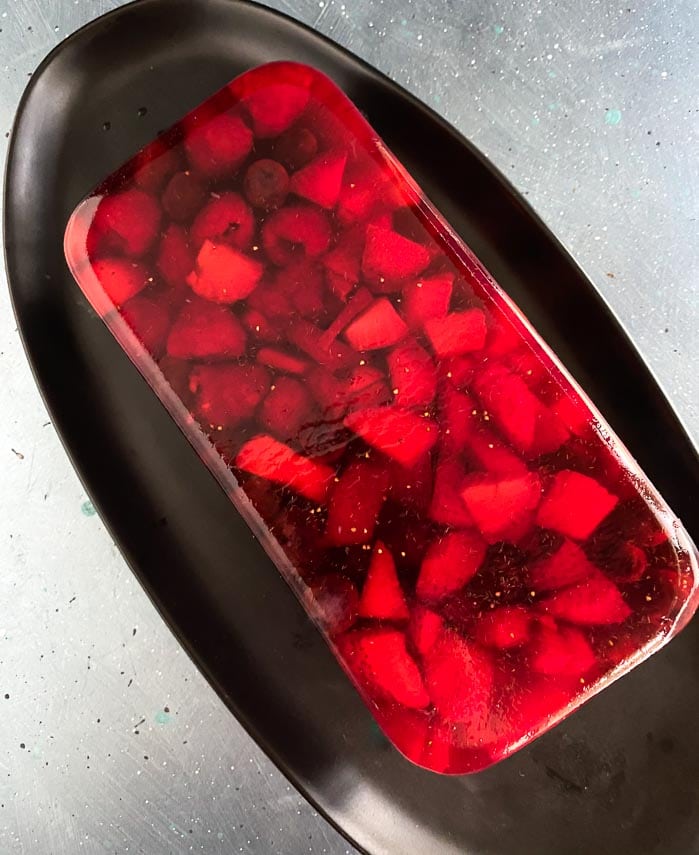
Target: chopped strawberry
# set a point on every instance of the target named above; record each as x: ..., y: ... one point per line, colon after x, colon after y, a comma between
x: 125, y: 222
x: 378, y: 326
x: 224, y: 219
x: 356, y: 304
x: 309, y: 339
x: 321, y: 179
x: 459, y: 370
x: 399, y: 434
x: 275, y: 107
x: 294, y: 233
x: 501, y: 506
x: 504, y: 627
x: 296, y: 147
x: 510, y: 403
x: 379, y: 659
x: 154, y: 165
x: 447, y: 506
x: 224, y: 274
x: 561, y: 652
x: 591, y: 602
x: 575, y: 505
x: 183, y: 196
x: 449, y: 563
x: 227, y: 394
x: 356, y: 499
x: 572, y: 412
x: 205, y: 330
x: 265, y: 456
x: 174, y: 258
x: 413, y: 375
x: 303, y: 284
x: 382, y: 597
x: 279, y: 360
x: 390, y: 256
x: 457, y: 410
x: 340, y: 286
x: 260, y: 328
x: 425, y: 628
x: 266, y: 184
x: 274, y: 304
x: 412, y: 486
x: 459, y: 680
x: 551, y: 433
x: 427, y: 298
x: 457, y: 333
x: 356, y: 201
x: 217, y: 146
x: 286, y: 408
x: 149, y: 318
x: 344, y: 260
x: 335, y: 602
x: 503, y: 335
x: 487, y: 452
x: 566, y: 566
x: 120, y: 278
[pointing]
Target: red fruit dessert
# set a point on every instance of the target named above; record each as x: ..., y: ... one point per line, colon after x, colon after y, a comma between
x: 462, y: 526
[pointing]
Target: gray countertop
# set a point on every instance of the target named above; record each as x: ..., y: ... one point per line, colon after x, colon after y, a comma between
x: 110, y: 741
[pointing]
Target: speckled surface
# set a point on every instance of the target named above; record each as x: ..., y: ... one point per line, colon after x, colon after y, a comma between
x: 110, y: 741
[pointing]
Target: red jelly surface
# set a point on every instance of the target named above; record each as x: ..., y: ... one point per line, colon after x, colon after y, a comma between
x: 480, y: 551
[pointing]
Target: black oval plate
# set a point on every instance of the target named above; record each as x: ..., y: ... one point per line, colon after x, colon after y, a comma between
x: 619, y: 776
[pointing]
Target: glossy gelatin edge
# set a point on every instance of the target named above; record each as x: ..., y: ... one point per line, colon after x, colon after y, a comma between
x: 478, y: 548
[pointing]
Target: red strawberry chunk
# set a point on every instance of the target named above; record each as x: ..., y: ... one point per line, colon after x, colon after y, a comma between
x: 356, y: 304
x: 378, y: 326
x: 459, y: 679
x: 551, y: 433
x: 488, y: 453
x: 205, y: 330
x: 379, y: 658
x: 596, y: 601
x: 183, y: 196
x: 321, y: 179
x: 457, y: 333
x: 356, y: 201
x: 286, y: 408
x: 224, y: 274
x: 504, y: 627
x: 224, y: 219
x: 501, y: 506
x: 447, y: 506
x: 259, y: 327
x: 382, y: 596
x: 561, y: 652
x: 174, y: 259
x: 503, y: 335
x: 510, y: 403
x: 227, y: 394
x: 566, y: 566
x: 303, y: 284
x: 267, y: 457
x: 282, y: 361
x: 425, y: 628
x: 126, y: 222
x: 427, y: 298
x: 274, y: 108
x: 342, y: 263
x: 149, y: 319
x: 459, y: 370
x: 456, y: 414
x: 572, y: 412
x: 575, y: 505
x: 309, y: 339
x: 355, y: 502
x: 400, y: 435
x: 390, y: 256
x: 294, y: 233
x: 413, y: 375
x: 219, y: 145
x: 120, y: 278
x: 266, y: 184
x: 449, y: 564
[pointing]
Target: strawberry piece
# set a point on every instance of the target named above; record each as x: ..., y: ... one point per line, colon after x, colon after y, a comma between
x: 378, y: 326
x: 120, y: 278
x: 412, y: 486
x: 550, y: 433
x: 275, y: 107
x: 343, y: 262
x: 296, y: 147
x: 596, y: 601
x: 356, y: 201
x: 363, y: 387
x: 303, y: 285
x: 218, y: 146
x: 379, y: 659
x: 457, y: 333
x: 125, y: 222
x: 227, y: 394
x: 425, y: 628
x: 340, y: 286
x: 272, y: 302
x: 259, y: 327
x: 575, y: 505
x: 224, y: 274
x: 459, y: 370
x: 149, y: 319
x: 266, y: 184
x: 456, y: 414
x: 566, y: 566
x: 459, y: 680
x: 321, y: 179
x: 355, y: 502
x: 282, y: 361
x: 413, y: 375
x: 382, y: 596
x: 286, y: 408
x: 400, y: 435
x: 154, y: 165
x: 356, y: 304
x: 267, y: 457
x: 390, y: 256
x: 505, y: 627
x: 309, y: 339
x: 225, y: 219
x: 204, y: 330
x: 294, y: 233
x: 501, y: 506
x: 183, y: 196
x: 426, y: 299
x: 174, y: 258
x: 503, y: 335
x: 488, y: 453
x: 508, y: 399
x: 573, y: 413
x: 449, y: 564
x: 335, y: 603
x: 447, y: 506
x: 561, y: 652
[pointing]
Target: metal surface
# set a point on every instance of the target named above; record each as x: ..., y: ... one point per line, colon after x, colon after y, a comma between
x: 109, y: 739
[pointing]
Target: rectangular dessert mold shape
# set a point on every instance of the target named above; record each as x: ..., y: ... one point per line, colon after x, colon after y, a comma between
x: 480, y: 551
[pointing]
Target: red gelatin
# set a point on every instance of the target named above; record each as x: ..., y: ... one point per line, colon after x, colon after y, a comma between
x: 462, y: 526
